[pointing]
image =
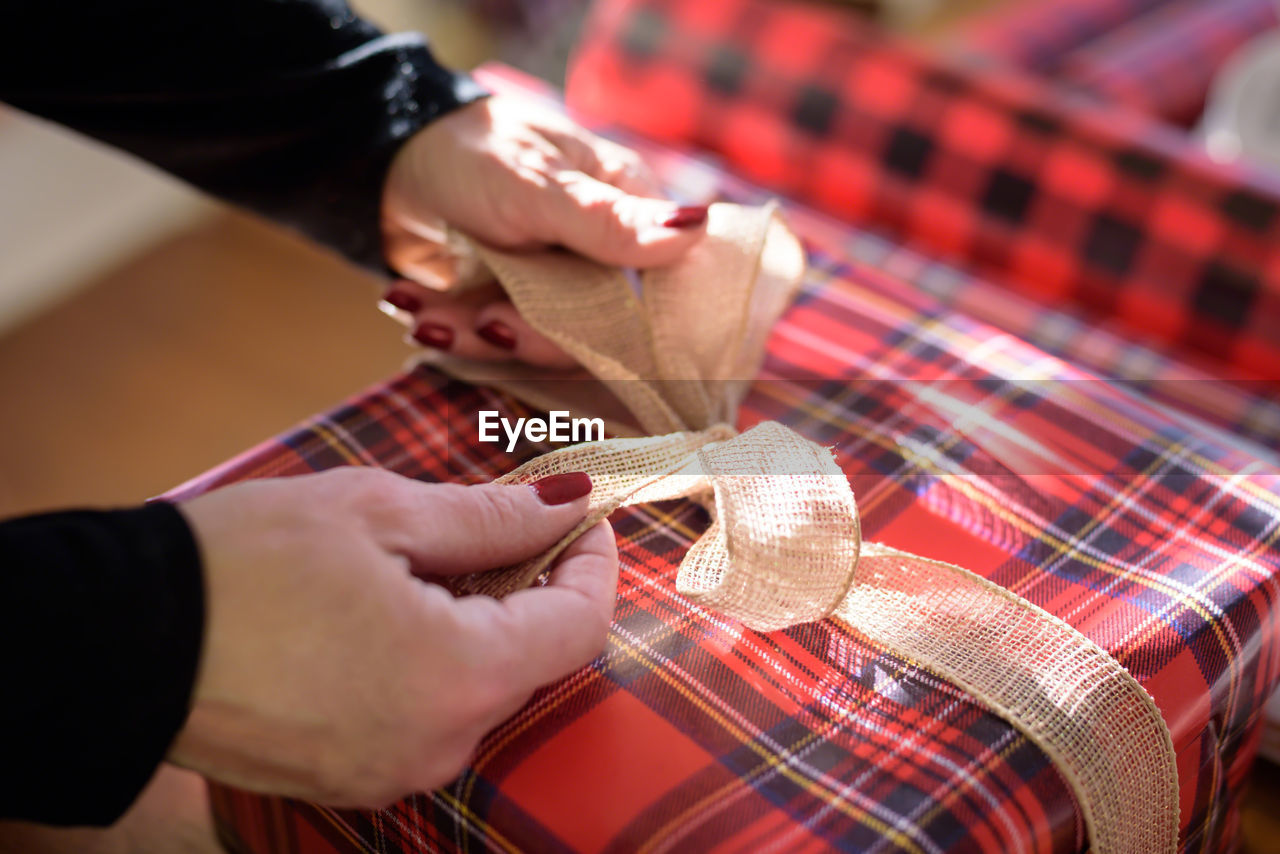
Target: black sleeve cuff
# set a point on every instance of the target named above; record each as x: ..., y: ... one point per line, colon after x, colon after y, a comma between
x: 102, y: 616
x: 341, y: 205
x: 293, y: 110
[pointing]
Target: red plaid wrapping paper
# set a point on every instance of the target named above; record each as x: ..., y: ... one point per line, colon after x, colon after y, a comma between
x: 961, y: 443
x: 1164, y: 63
x: 1101, y: 208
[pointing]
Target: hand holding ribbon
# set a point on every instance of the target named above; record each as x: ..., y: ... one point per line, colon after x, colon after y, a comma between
x: 784, y: 545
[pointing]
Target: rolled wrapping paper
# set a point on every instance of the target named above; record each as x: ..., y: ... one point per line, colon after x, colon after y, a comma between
x: 784, y: 545
x: 1039, y: 34
x: 1071, y: 203
x: 1164, y: 63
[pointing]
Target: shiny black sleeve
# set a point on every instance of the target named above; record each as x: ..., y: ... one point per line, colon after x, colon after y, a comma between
x: 292, y: 108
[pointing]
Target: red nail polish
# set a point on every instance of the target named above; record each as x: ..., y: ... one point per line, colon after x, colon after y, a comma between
x: 686, y: 217
x: 498, y: 334
x: 403, y: 301
x: 562, y: 488
x: 434, y: 335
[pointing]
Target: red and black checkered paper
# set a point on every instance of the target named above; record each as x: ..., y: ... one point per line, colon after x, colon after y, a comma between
x: 1073, y: 203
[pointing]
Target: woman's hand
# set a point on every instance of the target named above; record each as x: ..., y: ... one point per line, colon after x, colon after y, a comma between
x: 520, y: 178
x: 332, y: 672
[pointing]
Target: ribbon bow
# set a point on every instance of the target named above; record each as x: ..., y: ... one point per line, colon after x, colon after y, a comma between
x: 784, y: 545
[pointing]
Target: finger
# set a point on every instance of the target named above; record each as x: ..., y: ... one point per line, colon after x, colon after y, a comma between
x: 449, y: 323
x: 453, y: 328
x: 538, y: 635
x: 589, y: 567
x: 447, y: 529
x: 495, y: 333
x: 604, y: 160
x: 501, y: 325
x: 472, y: 327
x: 614, y: 227
x: 405, y: 298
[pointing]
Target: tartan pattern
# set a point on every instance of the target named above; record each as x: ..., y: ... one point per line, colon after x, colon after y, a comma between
x: 774, y: 730
x: 1164, y: 63
x: 1038, y: 34
x: 1176, y: 380
x: 691, y: 733
x: 1100, y: 208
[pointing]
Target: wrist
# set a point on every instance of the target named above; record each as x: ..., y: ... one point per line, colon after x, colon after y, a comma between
x: 416, y: 238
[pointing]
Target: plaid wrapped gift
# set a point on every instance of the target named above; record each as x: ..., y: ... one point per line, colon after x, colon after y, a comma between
x: 1164, y: 63
x: 1101, y: 208
x: 692, y: 733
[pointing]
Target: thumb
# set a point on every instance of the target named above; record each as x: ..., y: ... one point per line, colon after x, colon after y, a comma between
x: 448, y: 529
x: 609, y: 225
x: 548, y: 632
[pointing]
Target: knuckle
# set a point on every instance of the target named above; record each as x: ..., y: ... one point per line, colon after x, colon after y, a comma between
x: 600, y: 205
x: 500, y: 162
x: 527, y: 165
x: 382, y: 502
x: 604, y: 214
x: 620, y: 224
x: 499, y: 510
x: 626, y: 159
x: 513, y: 211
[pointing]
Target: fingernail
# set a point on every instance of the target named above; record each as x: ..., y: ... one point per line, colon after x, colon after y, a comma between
x: 562, y: 488
x: 403, y: 301
x: 498, y: 334
x: 434, y: 335
x: 686, y: 217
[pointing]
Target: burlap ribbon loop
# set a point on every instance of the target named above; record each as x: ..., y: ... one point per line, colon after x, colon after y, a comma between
x: 784, y: 544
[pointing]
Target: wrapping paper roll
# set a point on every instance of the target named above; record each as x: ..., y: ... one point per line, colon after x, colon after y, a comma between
x: 1186, y: 383
x: 1100, y: 208
x: 1164, y: 63
x: 1038, y: 34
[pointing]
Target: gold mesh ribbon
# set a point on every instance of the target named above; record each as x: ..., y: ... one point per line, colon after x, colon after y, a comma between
x: 784, y: 545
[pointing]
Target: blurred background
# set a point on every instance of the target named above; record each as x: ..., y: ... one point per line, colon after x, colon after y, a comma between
x: 119, y: 285
x: 148, y: 333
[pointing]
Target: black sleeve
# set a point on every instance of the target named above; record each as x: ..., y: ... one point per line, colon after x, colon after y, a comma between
x: 101, y: 625
x: 293, y: 108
